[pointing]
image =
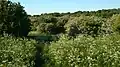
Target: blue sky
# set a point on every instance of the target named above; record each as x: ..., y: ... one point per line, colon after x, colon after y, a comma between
x: 48, y: 6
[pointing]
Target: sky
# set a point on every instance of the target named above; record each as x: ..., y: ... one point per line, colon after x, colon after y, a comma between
x: 34, y: 7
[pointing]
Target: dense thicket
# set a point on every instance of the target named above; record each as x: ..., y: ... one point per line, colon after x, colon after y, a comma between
x: 93, y: 42
x: 17, y: 52
x: 84, y: 38
x: 82, y: 22
x: 13, y: 19
x: 88, y: 25
x: 84, y: 52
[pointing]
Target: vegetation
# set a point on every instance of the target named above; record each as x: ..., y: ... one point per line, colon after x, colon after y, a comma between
x: 79, y: 39
x: 84, y: 52
x: 14, y: 19
x: 17, y: 52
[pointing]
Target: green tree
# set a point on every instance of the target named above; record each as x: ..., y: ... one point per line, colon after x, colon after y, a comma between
x: 3, y: 15
x: 14, y: 19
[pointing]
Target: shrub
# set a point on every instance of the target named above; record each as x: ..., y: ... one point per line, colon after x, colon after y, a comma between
x: 41, y: 27
x: 16, y: 52
x: 72, y: 29
x: 48, y: 28
x: 47, y: 19
x: 116, y: 23
x: 62, y: 20
x: 84, y: 52
x: 90, y: 25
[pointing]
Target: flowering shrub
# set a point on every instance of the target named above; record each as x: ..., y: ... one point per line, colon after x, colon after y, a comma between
x: 16, y: 52
x: 84, y: 52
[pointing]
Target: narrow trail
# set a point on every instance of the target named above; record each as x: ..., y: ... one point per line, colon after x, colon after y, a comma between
x: 39, y: 60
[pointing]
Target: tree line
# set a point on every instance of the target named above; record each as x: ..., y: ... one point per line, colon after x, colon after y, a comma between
x: 106, y: 13
x: 14, y: 20
x: 94, y: 23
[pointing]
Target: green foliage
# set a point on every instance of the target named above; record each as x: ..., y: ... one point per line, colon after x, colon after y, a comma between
x: 13, y: 19
x: 46, y: 24
x: 50, y: 25
x: 41, y: 27
x: 71, y: 28
x: 47, y: 19
x: 104, y: 13
x: 46, y: 28
x: 84, y: 52
x: 3, y: 14
x: 90, y: 25
x: 62, y: 21
x: 82, y: 22
x: 116, y: 23
x: 16, y: 52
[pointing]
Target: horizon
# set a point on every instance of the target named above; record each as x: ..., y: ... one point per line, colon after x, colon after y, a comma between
x: 50, y: 6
